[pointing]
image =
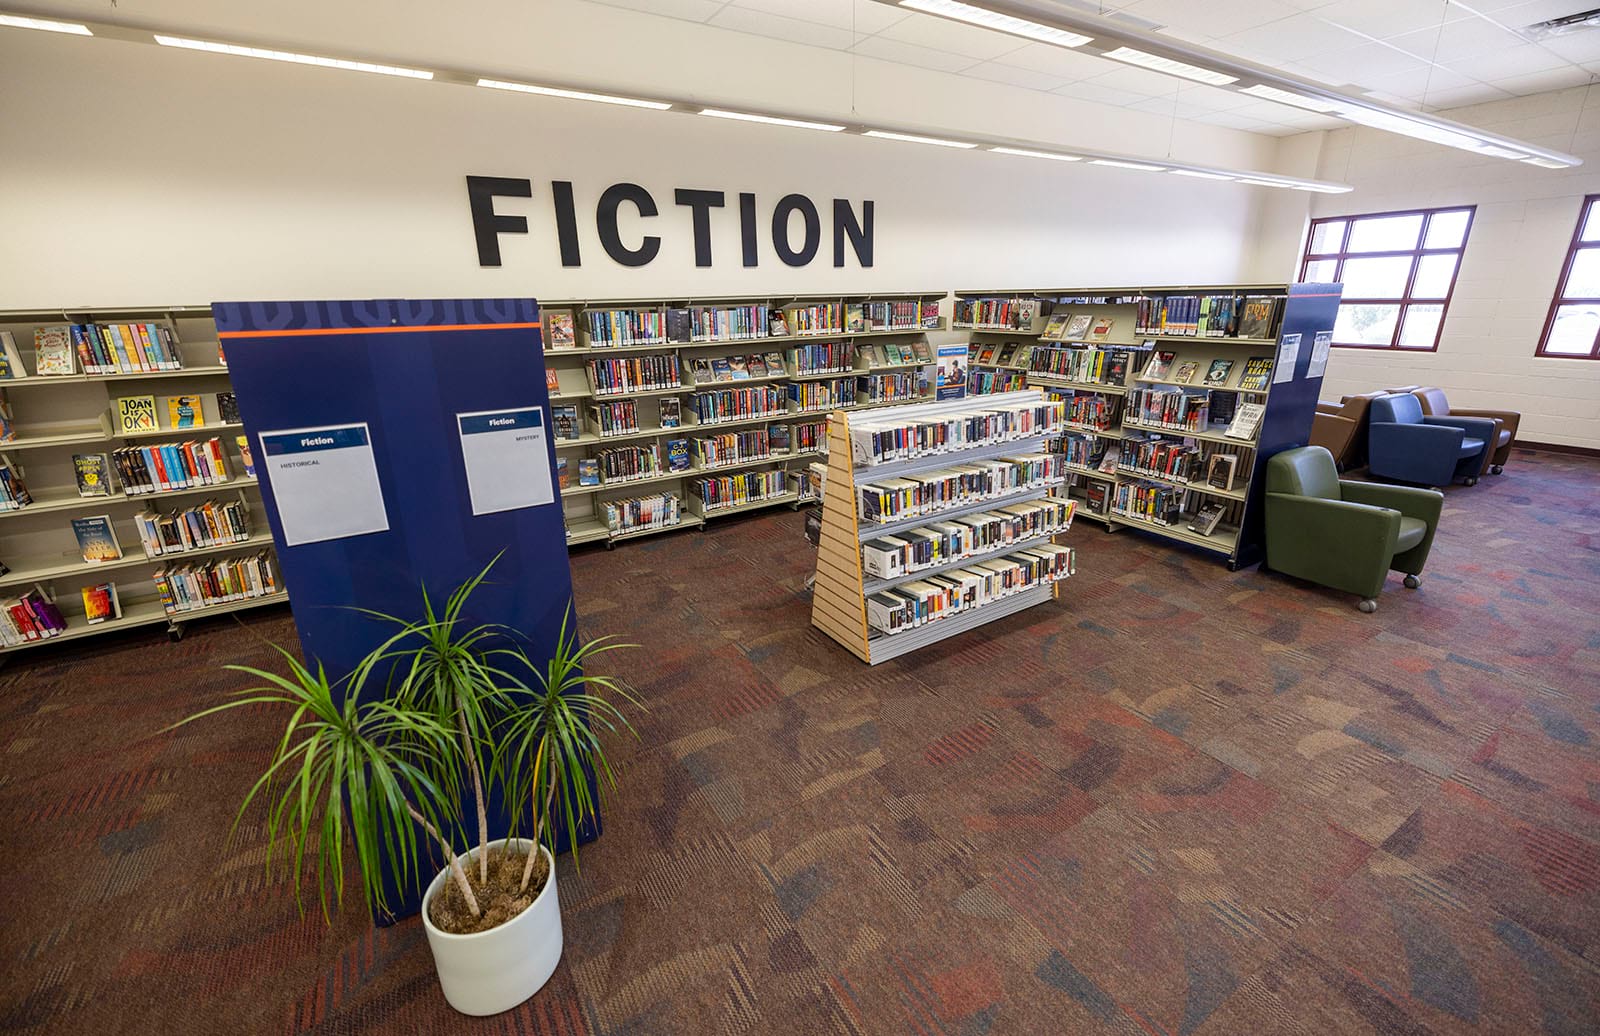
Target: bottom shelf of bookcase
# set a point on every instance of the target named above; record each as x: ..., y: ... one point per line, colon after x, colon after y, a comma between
x: 884, y: 647
x: 1223, y: 539
x: 143, y: 614
x: 699, y: 509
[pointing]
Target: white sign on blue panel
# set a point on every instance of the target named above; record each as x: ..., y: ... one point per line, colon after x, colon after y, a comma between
x: 325, y: 482
x: 508, y: 461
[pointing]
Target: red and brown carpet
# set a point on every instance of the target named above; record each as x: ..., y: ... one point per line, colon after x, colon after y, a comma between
x: 1180, y: 801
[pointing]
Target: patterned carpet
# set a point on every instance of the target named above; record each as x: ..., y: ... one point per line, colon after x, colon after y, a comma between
x: 1180, y: 801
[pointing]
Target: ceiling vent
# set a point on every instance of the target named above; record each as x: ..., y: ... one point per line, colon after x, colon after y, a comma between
x: 1566, y: 25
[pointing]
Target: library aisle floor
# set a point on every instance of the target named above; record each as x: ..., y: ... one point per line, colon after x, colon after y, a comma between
x: 1182, y: 801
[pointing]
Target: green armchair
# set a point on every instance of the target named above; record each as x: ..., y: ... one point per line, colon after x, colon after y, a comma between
x: 1345, y: 534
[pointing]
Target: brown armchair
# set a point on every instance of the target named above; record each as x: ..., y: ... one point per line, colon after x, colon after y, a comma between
x: 1434, y: 404
x: 1341, y: 429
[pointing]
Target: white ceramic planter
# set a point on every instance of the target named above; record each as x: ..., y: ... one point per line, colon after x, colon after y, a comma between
x: 494, y: 971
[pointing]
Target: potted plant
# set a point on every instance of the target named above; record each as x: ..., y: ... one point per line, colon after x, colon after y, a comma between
x: 455, y: 709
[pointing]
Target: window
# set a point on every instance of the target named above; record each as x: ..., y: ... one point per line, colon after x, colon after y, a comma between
x: 1573, y: 327
x: 1398, y: 270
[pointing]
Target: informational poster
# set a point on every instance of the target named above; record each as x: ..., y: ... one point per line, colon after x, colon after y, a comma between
x: 508, y: 461
x: 952, y: 371
x: 1288, y: 356
x: 1320, y: 344
x: 325, y: 481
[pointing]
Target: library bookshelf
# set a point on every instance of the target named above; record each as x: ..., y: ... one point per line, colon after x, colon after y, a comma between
x: 60, y: 417
x: 843, y: 586
x: 743, y: 435
x: 1096, y: 348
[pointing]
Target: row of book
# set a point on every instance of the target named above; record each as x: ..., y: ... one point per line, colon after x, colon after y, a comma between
x: 959, y: 590
x: 622, y: 327
x: 943, y: 543
x: 1167, y: 458
x: 210, y: 524
x: 1210, y: 316
x: 620, y: 417
x: 30, y: 616
x: 622, y: 463
x: 1177, y: 409
x: 999, y: 313
x: 985, y: 383
x: 810, y: 436
x: 1089, y: 364
x: 185, y: 588
x: 737, y: 404
x: 823, y: 358
x: 813, y: 396
x: 1092, y: 411
x: 1077, y: 327
x: 738, y: 368
x: 734, y: 490
x: 888, y: 387
x: 13, y: 489
x: 1008, y: 354
x: 818, y: 318
x: 1152, y: 502
x: 63, y: 349
x: 1081, y: 451
x: 902, y: 315
x: 711, y: 324
x: 890, y: 438
x: 732, y: 448
x: 931, y: 492
x: 162, y: 467
x: 895, y: 354
x: 614, y: 377
x: 1257, y: 371
x: 633, y: 514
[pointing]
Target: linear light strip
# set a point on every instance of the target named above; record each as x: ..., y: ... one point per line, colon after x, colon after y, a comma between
x: 719, y: 113
x: 914, y: 139
x: 17, y: 21
x: 1132, y: 165
x: 290, y: 56
x: 987, y: 19
x: 572, y: 95
x: 1171, y: 66
x: 1200, y: 175
x: 1025, y: 153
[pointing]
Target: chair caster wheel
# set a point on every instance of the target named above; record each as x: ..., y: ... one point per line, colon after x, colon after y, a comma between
x: 1472, y: 481
x: 1368, y: 606
x: 1496, y: 469
x: 1412, y: 582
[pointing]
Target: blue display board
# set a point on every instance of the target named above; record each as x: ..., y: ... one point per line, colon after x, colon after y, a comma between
x: 355, y: 413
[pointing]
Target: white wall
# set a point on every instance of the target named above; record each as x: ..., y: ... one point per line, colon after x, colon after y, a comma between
x: 1519, y: 239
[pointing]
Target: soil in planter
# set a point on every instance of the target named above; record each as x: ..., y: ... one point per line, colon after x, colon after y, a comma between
x: 499, y: 900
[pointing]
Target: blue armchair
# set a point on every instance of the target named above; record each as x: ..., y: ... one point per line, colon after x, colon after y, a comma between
x: 1405, y: 445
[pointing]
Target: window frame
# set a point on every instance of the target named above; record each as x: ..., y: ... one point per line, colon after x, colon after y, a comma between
x: 1405, y: 300
x: 1576, y: 245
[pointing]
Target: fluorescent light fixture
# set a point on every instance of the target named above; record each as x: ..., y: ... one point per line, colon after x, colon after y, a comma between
x: 1023, y: 152
x: 298, y: 59
x: 999, y: 22
x: 1310, y: 104
x: 1157, y: 63
x: 1547, y: 163
x: 1197, y: 173
x: 1496, y: 151
x: 886, y: 135
x: 573, y: 95
x: 1127, y: 165
x: 1258, y: 182
x: 718, y: 113
x: 17, y: 21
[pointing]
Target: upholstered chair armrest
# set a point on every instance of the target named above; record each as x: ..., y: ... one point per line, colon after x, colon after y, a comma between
x: 1477, y: 427
x: 1509, y: 418
x: 1423, y: 504
x: 1319, y: 526
x: 1333, y: 409
x: 1427, y: 436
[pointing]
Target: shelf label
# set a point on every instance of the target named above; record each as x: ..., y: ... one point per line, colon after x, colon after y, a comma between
x: 1318, y: 364
x: 1288, y: 356
x: 325, y: 482
x: 508, y: 461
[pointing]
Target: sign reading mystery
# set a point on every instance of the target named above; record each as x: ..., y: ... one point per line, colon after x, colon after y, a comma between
x: 795, y: 246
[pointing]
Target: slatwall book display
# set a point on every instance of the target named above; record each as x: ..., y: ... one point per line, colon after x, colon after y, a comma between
x: 177, y: 487
x: 937, y: 518
x: 1154, y: 378
x: 699, y: 384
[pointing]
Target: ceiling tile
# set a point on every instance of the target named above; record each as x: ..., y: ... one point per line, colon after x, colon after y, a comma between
x: 692, y: 10
x: 1137, y: 80
x: 1521, y: 60
x: 1581, y: 47
x: 1457, y: 41
x: 1361, y: 63
x: 1386, y: 18
x: 1539, y: 82
x: 1232, y: 120
x: 1056, y: 61
x: 1089, y: 91
x: 1476, y: 94
x: 1287, y: 39
x: 761, y: 23
x: 995, y: 72
x: 1524, y: 13
x: 976, y: 44
x: 1212, y: 98
x: 862, y: 17
x: 1204, y: 21
x: 908, y: 54
x: 1419, y: 84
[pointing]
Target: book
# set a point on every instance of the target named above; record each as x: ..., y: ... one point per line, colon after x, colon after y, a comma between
x: 1208, y: 518
x: 551, y: 382
x: 680, y: 325
x: 986, y: 355
x: 1256, y: 316
x: 563, y: 476
x: 1007, y: 354
x: 1117, y: 368
x: 54, y: 353
x: 678, y: 454
x: 228, y: 407
x: 738, y: 369
x: 588, y: 471
x: 1055, y: 326
x: 1098, y: 499
x: 855, y: 317
x: 184, y: 412
x: 96, y: 538
x: 756, y: 365
x: 775, y: 365
x: 923, y: 351
x: 100, y: 603
x: 721, y: 369
x: 1245, y: 421
x: 1220, y: 470
x: 1101, y: 328
x: 562, y: 331
x: 671, y: 412
x: 778, y: 438
x: 91, y: 472
x: 243, y: 442
x: 565, y: 421
x: 1077, y: 327
x: 1185, y: 373
x: 779, y: 326
x: 1160, y: 363
x: 10, y: 360
x: 1257, y: 369
x: 136, y: 414
x: 1218, y: 374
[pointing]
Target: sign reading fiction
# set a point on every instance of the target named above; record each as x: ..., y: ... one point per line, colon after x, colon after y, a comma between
x: 847, y: 224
